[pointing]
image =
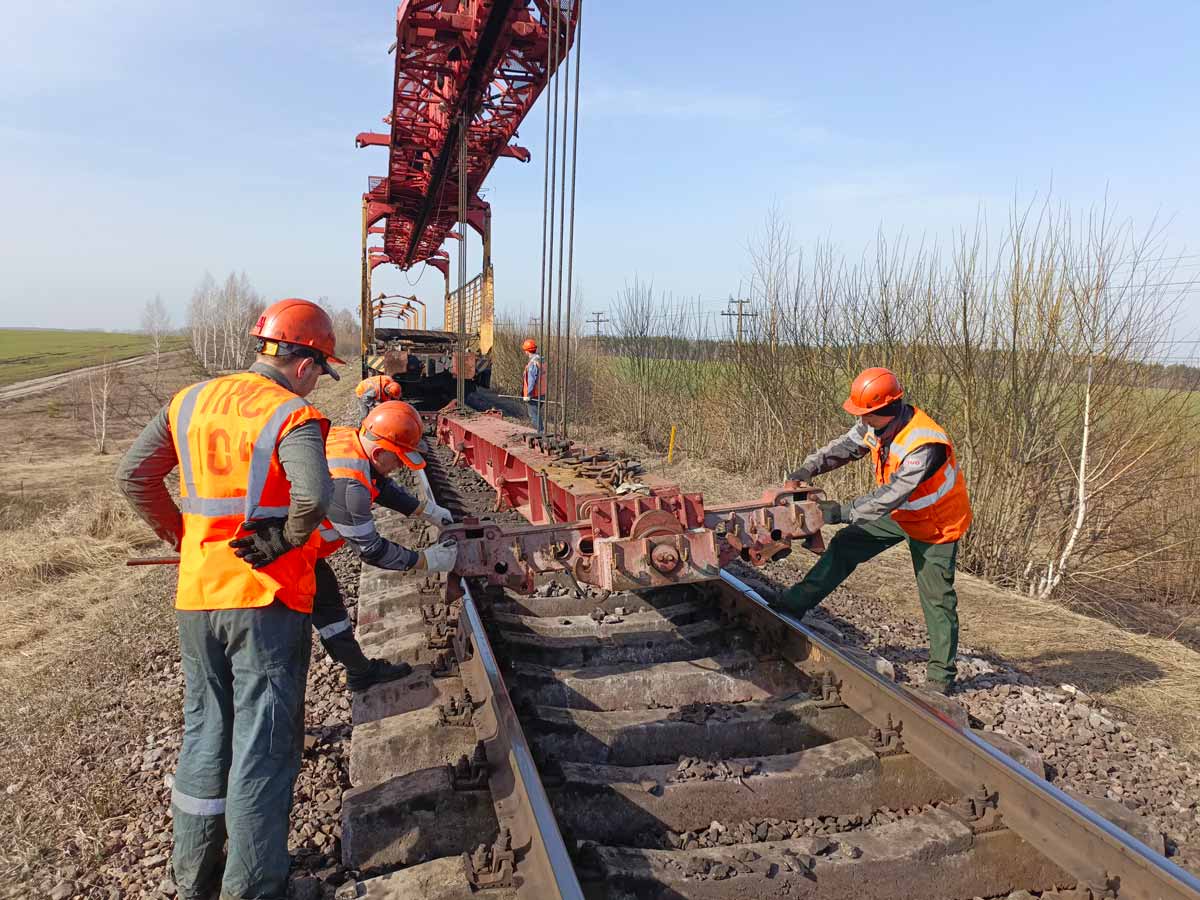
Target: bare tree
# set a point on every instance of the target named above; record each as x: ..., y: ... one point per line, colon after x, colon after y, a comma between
x: 101, y: 383
x: 156, y: 322
x: 219, y: 318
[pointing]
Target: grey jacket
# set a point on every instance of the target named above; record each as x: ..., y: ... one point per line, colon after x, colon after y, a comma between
x: 152, y: 457
x: 915, y: 468
x: 353, y: 520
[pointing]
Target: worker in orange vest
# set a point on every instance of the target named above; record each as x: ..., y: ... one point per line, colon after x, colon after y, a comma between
x: 375, y: 390
x: 920, y: 498
x: 360, y: 461
x: 533, y: 383
x: 253, y: 489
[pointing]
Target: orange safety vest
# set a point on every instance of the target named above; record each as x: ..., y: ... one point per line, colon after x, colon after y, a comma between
x: 539, y: 386
x: 938, y: 511
x: 226, y: 433
x: 347, y: 459
x: 375, y: 384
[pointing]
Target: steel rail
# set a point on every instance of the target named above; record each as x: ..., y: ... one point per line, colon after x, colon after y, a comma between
x: 546, y: 869
x: 1083, y: 843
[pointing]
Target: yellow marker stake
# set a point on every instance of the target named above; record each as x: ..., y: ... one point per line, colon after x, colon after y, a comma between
x: 671, y: 446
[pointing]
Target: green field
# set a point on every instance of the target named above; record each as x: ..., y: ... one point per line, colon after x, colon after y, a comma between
x: 35, y: 353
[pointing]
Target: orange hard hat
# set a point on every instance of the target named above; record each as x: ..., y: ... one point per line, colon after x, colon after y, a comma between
x: 396, y: 426
x: 530, y: 345
x: 298, y: 323
x: 391, y: 388
x: 873, y: 389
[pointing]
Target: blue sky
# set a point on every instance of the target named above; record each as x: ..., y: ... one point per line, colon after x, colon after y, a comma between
x: 142, y: 143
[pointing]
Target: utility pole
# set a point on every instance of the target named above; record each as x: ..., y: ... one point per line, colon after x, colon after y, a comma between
x: 740, y: 313
x: 598, y: 319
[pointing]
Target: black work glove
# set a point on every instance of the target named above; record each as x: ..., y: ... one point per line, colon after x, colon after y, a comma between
x: 265, y: 543
x: 833, y: 512
x: 801, y: 474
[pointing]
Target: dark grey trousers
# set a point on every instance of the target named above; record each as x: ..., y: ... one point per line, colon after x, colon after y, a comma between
x: 243, y: 715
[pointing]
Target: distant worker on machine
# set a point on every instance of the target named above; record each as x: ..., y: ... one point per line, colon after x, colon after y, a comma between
x: 360, y: 461
x: 533, y: 383
x: 375, y: 390
x: 921, y: 498
x: 253, y: 488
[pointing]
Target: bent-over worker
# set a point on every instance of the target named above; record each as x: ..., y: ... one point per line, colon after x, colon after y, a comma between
x: 360, y: 461
x: 375, y: 390
x: 253, y: 489
x: 533, y: 383
x: 921, y: 498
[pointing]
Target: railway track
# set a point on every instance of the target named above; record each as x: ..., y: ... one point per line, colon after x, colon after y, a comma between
x: 685, y: 742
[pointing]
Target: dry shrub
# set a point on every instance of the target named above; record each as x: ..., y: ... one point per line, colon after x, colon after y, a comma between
x: 1040, y: 354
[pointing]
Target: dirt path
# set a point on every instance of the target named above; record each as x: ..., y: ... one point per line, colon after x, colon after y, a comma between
x: 38, y: 385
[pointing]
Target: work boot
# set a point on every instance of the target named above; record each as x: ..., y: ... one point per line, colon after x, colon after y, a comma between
x: 945, y: 688
x: 377, y: 672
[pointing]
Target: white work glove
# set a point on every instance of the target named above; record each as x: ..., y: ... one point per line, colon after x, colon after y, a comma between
x: 439, y: 557
x: 438, y: 515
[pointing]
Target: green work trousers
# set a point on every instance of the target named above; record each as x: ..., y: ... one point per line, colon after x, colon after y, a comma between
x: 933, y: 565
x: 243, y: 731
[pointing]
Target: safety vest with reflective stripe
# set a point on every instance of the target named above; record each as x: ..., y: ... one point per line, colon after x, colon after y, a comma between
x: 347, y: 459
x: 938, y: 511
x: 226, y: 433
x: 371, y: 389
x: 538, y: 390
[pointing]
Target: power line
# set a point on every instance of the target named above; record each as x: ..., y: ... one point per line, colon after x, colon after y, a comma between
x: 598, y: 319
x: 740, y: 313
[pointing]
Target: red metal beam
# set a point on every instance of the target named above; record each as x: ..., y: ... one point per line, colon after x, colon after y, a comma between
x: 604, y: 521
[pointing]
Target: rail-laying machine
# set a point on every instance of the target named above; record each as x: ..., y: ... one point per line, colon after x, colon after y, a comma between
x: 603, y: 522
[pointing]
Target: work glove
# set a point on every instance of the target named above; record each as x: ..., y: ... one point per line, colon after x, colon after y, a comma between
x: 801, y: 474
x: 438, y: 515
x: 265, y: 543
x: 833, y: 512
x: 438, y: 557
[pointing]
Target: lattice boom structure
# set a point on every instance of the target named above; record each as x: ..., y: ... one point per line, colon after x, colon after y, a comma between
x: 479, y: 61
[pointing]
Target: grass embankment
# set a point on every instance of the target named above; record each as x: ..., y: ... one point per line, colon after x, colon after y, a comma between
x: 36, y: 353
x: 86, y: 642
x: 88, y: 651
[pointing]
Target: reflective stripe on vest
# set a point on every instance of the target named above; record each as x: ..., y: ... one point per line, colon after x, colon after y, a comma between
x: 938, y: 511
x: 226, y: 433
x: 347, y: 459
x: 950, y: 476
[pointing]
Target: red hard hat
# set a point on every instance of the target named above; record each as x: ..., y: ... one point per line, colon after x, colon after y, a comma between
x: 396, y: 426
x: 530, y: 345
x: 873, y: 389
x: 302, y: 324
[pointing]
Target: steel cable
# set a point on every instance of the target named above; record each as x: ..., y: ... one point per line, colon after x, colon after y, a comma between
x: 571, y: 240
x: 541, y: 322
x: 553, y: 151
x: 560, y: 366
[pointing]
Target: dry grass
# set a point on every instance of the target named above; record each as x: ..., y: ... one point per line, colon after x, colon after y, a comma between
x: 83, y: 639
x: 1152, y: 680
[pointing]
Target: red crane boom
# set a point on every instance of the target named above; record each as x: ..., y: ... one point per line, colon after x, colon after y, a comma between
x: 479, y: 62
